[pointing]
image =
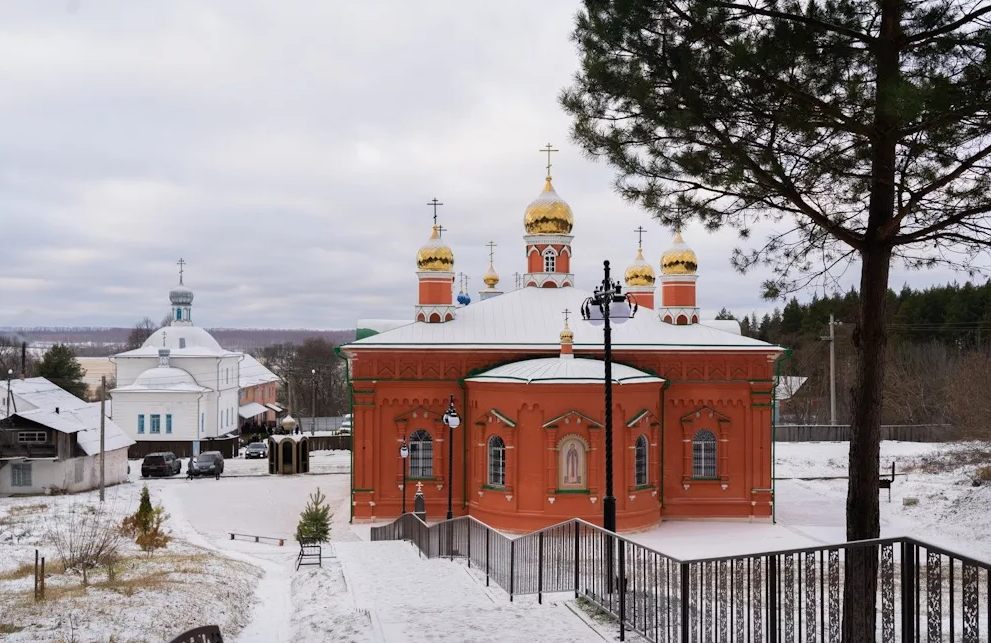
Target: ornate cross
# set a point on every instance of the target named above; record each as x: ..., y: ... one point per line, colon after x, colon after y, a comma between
x: 640, y: 230
x: 566, y: 313
x: 180, y: 263
x: 440, y: 228
x: 548, y: 149
x: 491, y: 245
x: 435, y: 203
x: 419, y: 488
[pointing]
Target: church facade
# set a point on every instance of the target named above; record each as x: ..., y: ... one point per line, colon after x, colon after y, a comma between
x: 692, y: 400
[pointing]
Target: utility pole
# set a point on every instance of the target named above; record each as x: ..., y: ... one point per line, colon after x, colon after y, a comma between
x: 313, y: 427
x: 831, y: 338
x: 103, y: 433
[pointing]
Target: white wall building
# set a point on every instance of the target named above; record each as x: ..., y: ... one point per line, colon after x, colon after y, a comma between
x: 180, y: 389
x: 50, y: 441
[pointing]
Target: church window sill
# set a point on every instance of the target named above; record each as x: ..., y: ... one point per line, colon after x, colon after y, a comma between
x: 566, y: 491
x: 494, y: 487
x: 640, y: 487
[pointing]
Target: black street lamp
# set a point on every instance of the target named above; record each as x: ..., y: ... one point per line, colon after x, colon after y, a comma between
x: 452, y: 420
x: 403, y: 454
x: 608, y: 303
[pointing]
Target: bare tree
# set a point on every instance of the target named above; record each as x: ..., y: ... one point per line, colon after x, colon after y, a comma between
x: 141, y: 332
x: 85, y: 537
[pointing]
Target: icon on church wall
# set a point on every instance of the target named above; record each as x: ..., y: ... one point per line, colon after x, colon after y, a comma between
x: 572, y: 465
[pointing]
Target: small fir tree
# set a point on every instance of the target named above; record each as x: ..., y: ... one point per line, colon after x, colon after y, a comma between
x: 147, y: 525
x: 314, y: 522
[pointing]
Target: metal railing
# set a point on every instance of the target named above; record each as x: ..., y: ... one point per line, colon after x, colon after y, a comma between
x: 923, y: 592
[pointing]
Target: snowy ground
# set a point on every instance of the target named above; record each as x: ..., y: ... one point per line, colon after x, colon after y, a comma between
x: 385, y: 591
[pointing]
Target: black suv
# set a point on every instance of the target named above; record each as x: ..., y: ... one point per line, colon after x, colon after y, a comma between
x: 160, y: 464
x: 208, y: 463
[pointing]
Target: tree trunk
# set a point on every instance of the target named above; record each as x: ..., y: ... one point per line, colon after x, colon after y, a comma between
x: 862, y: 508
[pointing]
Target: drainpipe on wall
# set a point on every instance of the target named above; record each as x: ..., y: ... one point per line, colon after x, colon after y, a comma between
x: 774, y: 425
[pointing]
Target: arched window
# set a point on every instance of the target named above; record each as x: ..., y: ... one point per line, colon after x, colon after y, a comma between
x: 640, y: 470
x: 704, y: 454
x: 571, y: 464
x: 421, y: 455
x: 178, y: 314
x: 550, y: 261
x: 497, y: 462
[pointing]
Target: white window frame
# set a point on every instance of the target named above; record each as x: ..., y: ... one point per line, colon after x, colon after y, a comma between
x: 151, y: 424
x: 704, y: 458
x: 550, y: 260
x: 641, y: 460
x: 421, y: 458
x: 497, y: 461
x: 21, y: 474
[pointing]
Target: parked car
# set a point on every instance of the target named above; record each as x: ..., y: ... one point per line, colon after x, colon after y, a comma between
x: 256, y: 450
x: 160, y: 464
x: 208, y: 463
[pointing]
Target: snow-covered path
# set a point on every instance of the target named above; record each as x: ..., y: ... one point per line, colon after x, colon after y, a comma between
x: 410, y: 598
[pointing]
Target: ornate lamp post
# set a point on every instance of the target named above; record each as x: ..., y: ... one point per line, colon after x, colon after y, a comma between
x: 452, y: 420
x: 608, y: 303
x: 403, y: 454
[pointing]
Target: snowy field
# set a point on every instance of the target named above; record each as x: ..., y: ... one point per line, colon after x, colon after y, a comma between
x: 385, y: 591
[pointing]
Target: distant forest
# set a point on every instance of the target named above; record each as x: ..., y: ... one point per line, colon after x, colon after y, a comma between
x: 100, y: 342
x: 939, y: 352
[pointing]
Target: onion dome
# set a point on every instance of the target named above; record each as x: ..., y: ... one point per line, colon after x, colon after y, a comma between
x: 548, y: 213
x: 463, y: 298
x: 288, y: 423
x: 491, y: 277
x: 181, y: 295
x: 567, y: 335
x: 640, y: 273
x: 435, y: 255
x: 679, y: 259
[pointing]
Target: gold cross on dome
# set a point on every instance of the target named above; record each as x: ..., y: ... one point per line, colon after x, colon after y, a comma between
x: 491, y: 245
x: 640, y: 230
x: 180, y: 263
x: 440, y: 230
x: 566, y: 313
x: 548, y: 149
x: 435, y: 203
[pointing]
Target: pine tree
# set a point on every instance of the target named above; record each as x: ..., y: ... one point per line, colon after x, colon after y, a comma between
x: 147, y: 525
x: 141, y: 521
x: 314, y: 522
x: 60, y: 367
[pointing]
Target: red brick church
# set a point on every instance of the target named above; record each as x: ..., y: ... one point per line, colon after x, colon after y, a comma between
x: 692, y: 399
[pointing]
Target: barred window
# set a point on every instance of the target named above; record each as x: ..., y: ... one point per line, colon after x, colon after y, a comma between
x: 421, y: 455
x: 497, y: 462
x: 20, y: 475
x: 641, y: 461
x: 704, y: 454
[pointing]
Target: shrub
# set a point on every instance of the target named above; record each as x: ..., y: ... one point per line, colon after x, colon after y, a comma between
x: 314, y: 522
x: 85, y: 537
x: 147, y: 525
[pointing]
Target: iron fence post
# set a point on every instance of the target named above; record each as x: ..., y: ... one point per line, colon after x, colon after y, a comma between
x: 622, y: 590
x: 577, y: 559
x: 772, y: 599
x: 540, y: 568
x: 468, y: 522
x: 686, y: 592
x: 512, y: 568
x: 908, y: 592
x: 488, y: 541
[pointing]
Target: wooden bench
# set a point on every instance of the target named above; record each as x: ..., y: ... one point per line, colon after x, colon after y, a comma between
x: 884, y: 482
x: 309, y: 554
x: 257, y: 539
x: 205, y: 634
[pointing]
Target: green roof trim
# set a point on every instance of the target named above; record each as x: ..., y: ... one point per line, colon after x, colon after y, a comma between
x: 362, y: 333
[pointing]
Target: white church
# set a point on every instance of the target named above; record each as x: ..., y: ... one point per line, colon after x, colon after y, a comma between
x: 180, y: 391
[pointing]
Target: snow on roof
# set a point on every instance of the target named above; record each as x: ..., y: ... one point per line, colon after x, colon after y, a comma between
x: 531, y: 318
x: 163, y: 379
x: 251, y: 409
x: 788, y: 386
x: 251, y: 372
x: 85, y: 423
x: 39, y: 393
x: 182, y: 341
x: 562, y: 370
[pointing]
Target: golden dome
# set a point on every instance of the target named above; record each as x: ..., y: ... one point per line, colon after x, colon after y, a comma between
x: 567, y: 335
x: 548, y: 213
x: 679, y: 259
x: 640, y: 273
x: 491, y: 277
x: 435, y: 255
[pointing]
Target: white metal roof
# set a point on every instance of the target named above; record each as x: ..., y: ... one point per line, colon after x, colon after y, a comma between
x: 38, y: 393
x: 163, y: 379
x: 532, y: 318
x: 85, y: 423
x: 251, y: 409
x: 182, y: 341
x: 563, y: 370
x: 251, y: 372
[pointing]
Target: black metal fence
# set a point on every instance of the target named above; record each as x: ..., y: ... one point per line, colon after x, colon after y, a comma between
x: 841, y: 432
x: 924, y: 593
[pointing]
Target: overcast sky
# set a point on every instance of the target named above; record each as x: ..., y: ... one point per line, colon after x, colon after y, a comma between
x: 287, y: 151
